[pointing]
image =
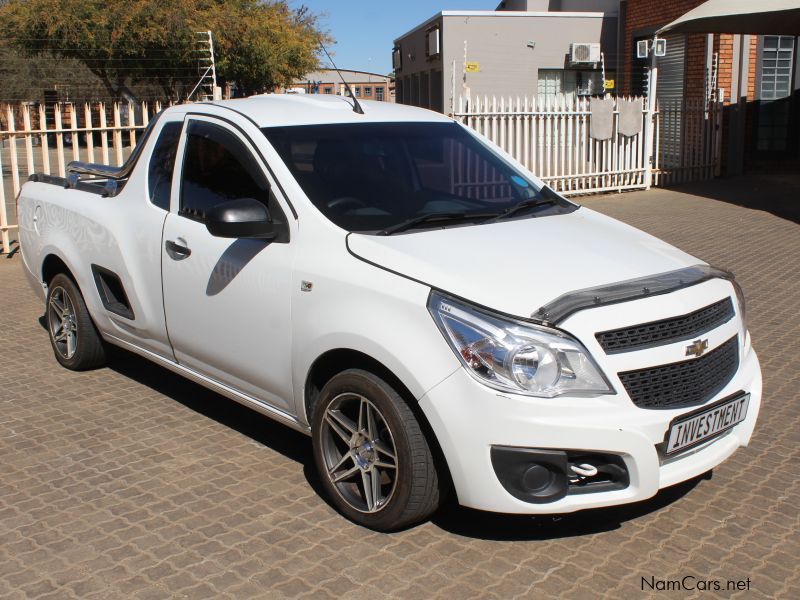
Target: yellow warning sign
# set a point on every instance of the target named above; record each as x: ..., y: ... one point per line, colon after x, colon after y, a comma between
x: 608, y: 84
x: 472, y: 67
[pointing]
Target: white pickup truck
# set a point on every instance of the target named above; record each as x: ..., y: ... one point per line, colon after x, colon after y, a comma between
x: 401, y: 290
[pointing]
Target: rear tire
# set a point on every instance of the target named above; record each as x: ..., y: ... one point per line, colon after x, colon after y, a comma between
x: 76, y: 343
x: 372, y: 457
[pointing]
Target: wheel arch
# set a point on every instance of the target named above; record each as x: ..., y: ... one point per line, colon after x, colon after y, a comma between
x: 334, y: 361
x: 52, y: 265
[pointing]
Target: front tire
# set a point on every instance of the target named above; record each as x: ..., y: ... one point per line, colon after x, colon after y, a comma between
x: 76, y: 343
x: 372, y: 457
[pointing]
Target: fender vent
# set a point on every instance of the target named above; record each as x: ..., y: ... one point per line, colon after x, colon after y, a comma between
x: 112, y: 293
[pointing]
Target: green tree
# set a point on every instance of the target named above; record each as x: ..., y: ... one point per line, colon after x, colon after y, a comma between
x: 258, y: 44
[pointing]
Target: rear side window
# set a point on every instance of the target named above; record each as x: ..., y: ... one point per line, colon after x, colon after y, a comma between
x: 159, y: 174
x: 217, y: 168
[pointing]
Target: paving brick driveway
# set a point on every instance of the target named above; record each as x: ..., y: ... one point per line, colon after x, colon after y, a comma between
x: 131, y: 482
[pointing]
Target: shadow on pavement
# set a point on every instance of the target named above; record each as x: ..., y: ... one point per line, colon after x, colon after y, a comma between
x: 775, y: 193
x: 451, y: 517
x: 288, y: 442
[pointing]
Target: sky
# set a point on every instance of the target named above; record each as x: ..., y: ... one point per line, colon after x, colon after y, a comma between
x: 364, y: 30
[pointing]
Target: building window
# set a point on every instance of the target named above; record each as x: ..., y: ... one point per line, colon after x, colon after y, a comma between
x: 569, y: 83
x: 367, y: 92
x: 379, y: 93
x: 432, y: 42
x: 358, y: 91
x: 776, y: 64
x: 776, y: 67
x: 556, y: 82
x: 327, y: 90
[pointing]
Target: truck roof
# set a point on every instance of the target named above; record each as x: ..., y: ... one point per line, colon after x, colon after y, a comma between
x: 276, y: 110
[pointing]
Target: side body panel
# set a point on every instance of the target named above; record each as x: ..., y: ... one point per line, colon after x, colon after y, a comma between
x: 228, y: 303
x: 357, y: 306
x: 121, y: 234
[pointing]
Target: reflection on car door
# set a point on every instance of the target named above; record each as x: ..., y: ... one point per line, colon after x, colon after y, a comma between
x: 227, y: 301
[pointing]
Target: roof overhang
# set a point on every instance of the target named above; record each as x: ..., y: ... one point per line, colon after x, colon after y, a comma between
x: 772, y: 17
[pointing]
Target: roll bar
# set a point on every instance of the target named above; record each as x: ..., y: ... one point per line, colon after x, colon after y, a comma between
x: 78, y: 167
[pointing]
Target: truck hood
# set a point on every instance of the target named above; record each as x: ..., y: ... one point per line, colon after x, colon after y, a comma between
x: 518, y: 266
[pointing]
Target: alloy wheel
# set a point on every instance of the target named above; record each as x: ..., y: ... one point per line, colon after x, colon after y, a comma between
x: 62, y: 322
x: 359, y: 453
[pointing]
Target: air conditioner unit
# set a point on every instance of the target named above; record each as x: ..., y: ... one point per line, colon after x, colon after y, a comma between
x: 584, y: 53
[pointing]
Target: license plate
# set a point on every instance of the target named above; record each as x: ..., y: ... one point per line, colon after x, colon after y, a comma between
x: 692, y: 429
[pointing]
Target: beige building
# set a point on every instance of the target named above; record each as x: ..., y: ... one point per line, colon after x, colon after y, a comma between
x: 526, y: 47
x: 367, y: 86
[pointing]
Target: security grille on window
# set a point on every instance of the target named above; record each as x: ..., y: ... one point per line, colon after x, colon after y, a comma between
x: 379, y: 94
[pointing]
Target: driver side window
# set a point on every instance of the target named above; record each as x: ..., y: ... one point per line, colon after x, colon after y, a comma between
x: 217, y: 167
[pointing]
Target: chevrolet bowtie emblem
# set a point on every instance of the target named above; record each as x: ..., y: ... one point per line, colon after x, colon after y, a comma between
x: 696, y: 348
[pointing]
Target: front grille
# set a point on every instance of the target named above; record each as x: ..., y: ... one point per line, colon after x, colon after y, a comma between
x: 666, y: 331
x: 685, y: 383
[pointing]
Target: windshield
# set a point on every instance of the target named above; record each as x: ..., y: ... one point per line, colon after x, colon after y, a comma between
x: 371, y: 177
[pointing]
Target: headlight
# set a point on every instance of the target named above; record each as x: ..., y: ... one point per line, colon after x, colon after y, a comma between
x: 516, y: 356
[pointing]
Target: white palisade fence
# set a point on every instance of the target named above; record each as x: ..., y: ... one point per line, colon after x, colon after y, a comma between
x: 551, y: 138
x: 44, y: 139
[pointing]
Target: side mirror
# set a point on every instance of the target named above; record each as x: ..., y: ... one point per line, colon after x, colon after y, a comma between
x: 242, y: 218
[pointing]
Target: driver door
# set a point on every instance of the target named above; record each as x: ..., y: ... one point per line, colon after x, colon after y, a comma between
x: 227, y: 301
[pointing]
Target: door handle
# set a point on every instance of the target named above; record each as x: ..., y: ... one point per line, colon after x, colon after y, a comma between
x: 177, y: 251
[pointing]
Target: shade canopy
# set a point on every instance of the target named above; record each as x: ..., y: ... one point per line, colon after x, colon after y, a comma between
x: 740, y: 16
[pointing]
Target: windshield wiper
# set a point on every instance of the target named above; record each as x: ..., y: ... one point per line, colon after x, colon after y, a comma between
x: 434, y: 216
x: 519, y: 206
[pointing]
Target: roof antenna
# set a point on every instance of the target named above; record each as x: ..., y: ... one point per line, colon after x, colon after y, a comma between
x: 356, y: 106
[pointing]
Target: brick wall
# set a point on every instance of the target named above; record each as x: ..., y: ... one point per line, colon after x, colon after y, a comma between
x: 644, y: 14
x: 651, y: 14
x: 751, y: 70
x: 695, y: 65
x: 723, y: 44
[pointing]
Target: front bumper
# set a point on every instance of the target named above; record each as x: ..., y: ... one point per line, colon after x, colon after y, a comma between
x: 469, y: 419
